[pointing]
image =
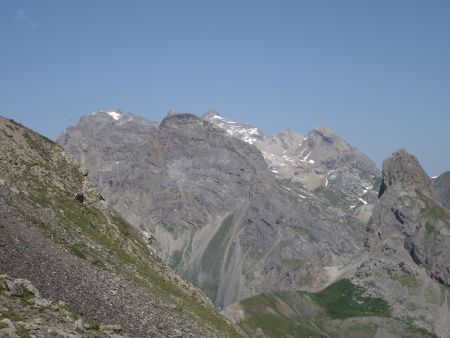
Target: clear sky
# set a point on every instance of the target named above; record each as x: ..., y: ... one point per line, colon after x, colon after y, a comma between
x: 376, y: 72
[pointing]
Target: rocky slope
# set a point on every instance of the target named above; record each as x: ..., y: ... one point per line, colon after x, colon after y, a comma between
x: 320, y: 162
x: 398, y: 288
x: 442, y: 187
x: 57, y: 231
x: 26, y: 314
x: 209, y: 202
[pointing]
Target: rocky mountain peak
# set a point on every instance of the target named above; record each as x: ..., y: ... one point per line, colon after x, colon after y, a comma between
x: 174, y: 120
x: 210, y: 114
x: 243, y: 131
x: 115, y: 114
x: 404, y: 167
x: 324, y: 132
x: 326, y: 137
x: 408, y: 215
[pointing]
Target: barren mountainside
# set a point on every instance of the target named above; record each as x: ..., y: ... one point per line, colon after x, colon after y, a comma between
x: 213, y: 207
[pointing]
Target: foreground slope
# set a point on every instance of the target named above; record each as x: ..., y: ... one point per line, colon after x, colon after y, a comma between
x: 211, y: 205
x: 57, y: 232
x: 25, y: 313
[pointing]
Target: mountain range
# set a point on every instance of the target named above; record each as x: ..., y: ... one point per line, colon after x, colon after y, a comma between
x: 286, y: 234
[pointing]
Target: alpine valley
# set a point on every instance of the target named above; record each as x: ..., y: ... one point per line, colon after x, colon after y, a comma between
x: 206, y: 227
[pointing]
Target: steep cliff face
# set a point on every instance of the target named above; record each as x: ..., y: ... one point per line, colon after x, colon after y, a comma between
x: 213, y: 209
x: 408, y: 242
x: 57, y: 231
x: 407, y: 211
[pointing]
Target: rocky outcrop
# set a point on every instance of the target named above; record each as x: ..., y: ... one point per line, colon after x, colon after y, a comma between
x: 405, y: 268
x: 408, y: 212
x: 404, y: 168
x: 26, y: 314
x: 213, y: 208
x: 408, y: 247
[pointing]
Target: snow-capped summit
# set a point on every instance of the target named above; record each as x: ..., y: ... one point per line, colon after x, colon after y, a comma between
x: 114, y: 114
x: 243, y: 131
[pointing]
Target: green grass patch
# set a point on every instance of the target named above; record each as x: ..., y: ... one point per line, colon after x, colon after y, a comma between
x: 445, y: 177
x: 99, y: 264
x: 344, y: 299
x: 433, y: 209
x: 261, y: 312
x: 22, y: 332
x: 420, y: 331
x: 11, y: 315
x: 79, y: 251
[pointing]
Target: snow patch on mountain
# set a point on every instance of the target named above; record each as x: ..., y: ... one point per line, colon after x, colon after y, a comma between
x: 114, y: 115
x: 242, y: 131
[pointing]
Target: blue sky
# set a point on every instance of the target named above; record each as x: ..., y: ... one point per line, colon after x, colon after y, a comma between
x: 376, y: 72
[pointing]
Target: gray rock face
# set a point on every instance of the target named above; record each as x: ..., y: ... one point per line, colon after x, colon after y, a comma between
x: 18, y: 287
x: 407, y: 263
x: 211, y: 206
x: 442, y: 187
x: 408, y: 212
x: 403, y: 167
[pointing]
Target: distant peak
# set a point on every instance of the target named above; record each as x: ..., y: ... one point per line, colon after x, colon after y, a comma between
x: 286, y: 132
x: 174, y: 119
x: 324, y: 134
x: 327, y: 132
x: 404, y: 167
x: 116, y: 114
x: 211, y: 114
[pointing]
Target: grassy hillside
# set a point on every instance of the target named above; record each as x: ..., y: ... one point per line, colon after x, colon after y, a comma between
x: 340, y: 310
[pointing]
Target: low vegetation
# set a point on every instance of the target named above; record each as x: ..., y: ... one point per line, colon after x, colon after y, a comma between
x: 343, y: 300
